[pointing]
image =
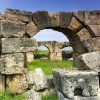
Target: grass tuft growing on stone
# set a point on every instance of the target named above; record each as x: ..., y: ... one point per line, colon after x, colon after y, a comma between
x: 50, y: 97
x: 47, y: 65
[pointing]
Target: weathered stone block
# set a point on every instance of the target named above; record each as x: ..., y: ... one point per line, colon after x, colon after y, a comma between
x: 89, y: 61
x: 10, y: 29
x: 50, y: 83
x: 33, y: 95
x: 40, y: 80
x: 16, y: 83
x: 54, y: 19
x: 2, y: 83
x: 80, y: 15
x: 15, y: 45
x: 30, y: 56
x: 84, y: 34
x: 12, y: 63
x: 95, y: 29
x: 41, y: 19
x: 62, y: 97
x: 91, y: 45
x: 76, y: 82
x: 75, y: 25
x: 65, y: 18
x: 31, y: 29
x: 18, y: 15
x: 92, y: 17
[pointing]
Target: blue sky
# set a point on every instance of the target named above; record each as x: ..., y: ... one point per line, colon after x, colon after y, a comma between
x: 51, y: 6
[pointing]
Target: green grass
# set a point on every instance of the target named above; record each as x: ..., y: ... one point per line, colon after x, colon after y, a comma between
x: 41, y: 53
x: 8, y: 96
x: 50, y: 97
x: 48, y: 65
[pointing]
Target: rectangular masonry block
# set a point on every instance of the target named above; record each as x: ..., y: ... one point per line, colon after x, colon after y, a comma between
x: 76, y: 82
x: 18, y: 15
x: 12, y: 63
x: 16, y: 45
x: 62, y: 97
x: 11, y: 29
x: 16, y: 83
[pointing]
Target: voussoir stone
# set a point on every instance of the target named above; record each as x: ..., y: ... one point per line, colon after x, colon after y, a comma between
x: 95, y: 29
x: 10, y: 29
x: 54, y: 19
x: 84, y: 34
x: 91, y: 45
x: 92, y: 17
x: 15, y: 45
x: 65, y: 18
x: 90, y: 61
x: 18, y: 15
x: 41, y: 19
x: 80, y: 15
x: 31, y: 29
x: 75, y: 25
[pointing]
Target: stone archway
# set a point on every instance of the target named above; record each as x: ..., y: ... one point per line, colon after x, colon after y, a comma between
x: 16, y: 27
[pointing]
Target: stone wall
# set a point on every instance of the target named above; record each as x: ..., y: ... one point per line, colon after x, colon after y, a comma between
x: 16, y: 28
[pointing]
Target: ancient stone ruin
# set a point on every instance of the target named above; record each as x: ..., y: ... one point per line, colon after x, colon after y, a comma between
x: 83, y: 31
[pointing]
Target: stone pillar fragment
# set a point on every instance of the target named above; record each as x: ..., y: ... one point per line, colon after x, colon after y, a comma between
x: 30, y: 56
x: 2, y: 83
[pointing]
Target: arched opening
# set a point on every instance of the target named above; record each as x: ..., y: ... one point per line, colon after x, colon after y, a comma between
x: 42, y: 53
x: 67, y: 53
x: 53, y: 41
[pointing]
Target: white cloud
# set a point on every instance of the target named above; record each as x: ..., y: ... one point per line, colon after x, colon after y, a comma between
x: 50, y: 35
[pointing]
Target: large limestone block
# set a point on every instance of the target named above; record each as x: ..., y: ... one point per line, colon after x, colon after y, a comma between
x: 16, y: 83
x: 92, y: 17
x: 65, y: 18
x: 91, y: 45
x: 31, y: 29
x: 41, y: 19
x: 40, y: 79
x: 32, y: 95
x: 90, y: 61
x: 16, y: 45
x: 18, y: 15
x: 12, y: 63
x: 10, y: 29
x: 75, y: 25
x: 54, y: 19
x: 95, y: 29
x: 76, y: 82
x: 30, y: 78
x: 84, y: 34
x: 62, y: 97
x: 2, y: 83
x: 80, y: 15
